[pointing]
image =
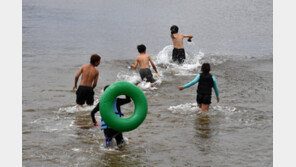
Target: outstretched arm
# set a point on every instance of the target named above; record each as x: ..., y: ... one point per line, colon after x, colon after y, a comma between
x: 216, y: 88
x: 154, y: 67
x: 77, y: 77
x: 196, y: 79
x: 187, y: 36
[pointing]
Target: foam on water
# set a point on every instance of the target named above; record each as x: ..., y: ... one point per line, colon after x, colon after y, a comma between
x: 75, y: 109
x: 134, y: 78
x: 164, y: 65
x: 187, y: 108
x: 113, y: 147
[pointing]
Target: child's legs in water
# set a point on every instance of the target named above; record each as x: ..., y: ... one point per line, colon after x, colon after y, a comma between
x: 203, y: 101
x: 111, y: 133
x: 119, y: 139
x: 205, y: 107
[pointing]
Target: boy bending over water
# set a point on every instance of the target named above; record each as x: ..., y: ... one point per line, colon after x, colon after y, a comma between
x: 88, y: 81
x: 204, y: 90
x: 143, y: 59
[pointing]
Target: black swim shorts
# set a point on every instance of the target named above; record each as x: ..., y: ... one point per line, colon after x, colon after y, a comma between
x: 178, y: 55
x: 146, y: 73
x: 85, y: 94
x: 203, y: 99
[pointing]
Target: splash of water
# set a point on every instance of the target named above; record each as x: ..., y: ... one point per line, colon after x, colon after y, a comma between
x: 165, y: 66
x: 189, y: 67
x: 75, y: 109
x: 187, y: 108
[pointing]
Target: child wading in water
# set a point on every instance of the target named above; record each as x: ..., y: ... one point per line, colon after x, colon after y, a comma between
x: 143, y: 60
x: 89, y: 79
x: 177, y: 38
x: 109, y: 132
x: 204, y: 89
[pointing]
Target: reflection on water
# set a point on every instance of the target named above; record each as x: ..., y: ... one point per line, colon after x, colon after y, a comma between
x: 82, y: 120
x: 203, y: 132
x: 118, y: 158
x: 202, y: 125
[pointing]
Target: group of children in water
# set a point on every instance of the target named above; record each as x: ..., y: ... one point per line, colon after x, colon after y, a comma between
x: 90, y: 76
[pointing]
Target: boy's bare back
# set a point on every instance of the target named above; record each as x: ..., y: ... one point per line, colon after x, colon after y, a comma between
x: 89, y: 75
x: 178, y: 41
x: 143, y: 60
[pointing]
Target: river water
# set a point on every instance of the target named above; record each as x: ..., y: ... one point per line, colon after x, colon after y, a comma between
x: 235, y: 37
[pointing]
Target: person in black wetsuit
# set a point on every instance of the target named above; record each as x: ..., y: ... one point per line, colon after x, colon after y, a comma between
x: 109, y: 132
x: 206, y: 82
x: 178, y: 51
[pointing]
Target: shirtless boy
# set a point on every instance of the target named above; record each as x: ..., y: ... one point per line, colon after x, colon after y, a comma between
x: 178, y: 52
x: 88, y: 81
x: 143, y: 59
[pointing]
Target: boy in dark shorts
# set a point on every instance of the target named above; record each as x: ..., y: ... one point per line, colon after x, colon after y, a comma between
x: 108, y: 132
x: 178, y: 52
x: 88, y: 81
x: 204, y: 89
x: 143, y: 59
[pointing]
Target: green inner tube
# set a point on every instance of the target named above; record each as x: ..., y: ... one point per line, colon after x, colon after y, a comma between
x: 108, y: 114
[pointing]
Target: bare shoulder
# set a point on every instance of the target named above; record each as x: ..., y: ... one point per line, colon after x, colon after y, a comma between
x: 84, y: 66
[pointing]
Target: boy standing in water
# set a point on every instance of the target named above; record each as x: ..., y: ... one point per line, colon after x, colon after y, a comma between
x: 108, y: 132
x: 88, y: 81
x: 143, y: 59
x: 178, y: 52
x: 204, y: 89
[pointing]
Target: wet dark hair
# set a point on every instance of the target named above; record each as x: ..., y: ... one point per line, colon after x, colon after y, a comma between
x: 95, y: 58
x: 141, y: 48
x: 174, y: 29
x: 106, y: 87
x: 205, y: 68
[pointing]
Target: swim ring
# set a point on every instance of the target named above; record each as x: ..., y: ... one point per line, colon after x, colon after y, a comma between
x: 108, y: 114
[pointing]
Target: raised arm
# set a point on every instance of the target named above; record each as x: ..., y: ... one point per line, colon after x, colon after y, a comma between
x: 187, y: 36
x: 154, y: 67
x: 95, y: 80
x: 196, y: 79
x: 77, y: 77
x: 136, y: 64
x: 216, y: 88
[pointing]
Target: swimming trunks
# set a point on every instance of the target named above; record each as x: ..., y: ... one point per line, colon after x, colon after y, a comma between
x: 203, y: 99
x: 178, y: 55
x: 85, y: 94
x: 146, y: 73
